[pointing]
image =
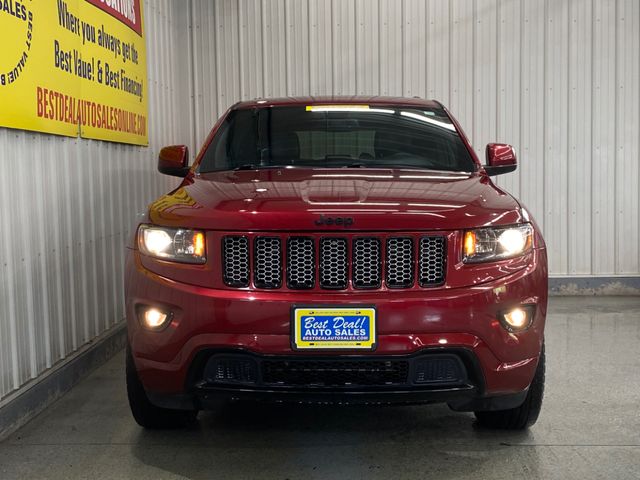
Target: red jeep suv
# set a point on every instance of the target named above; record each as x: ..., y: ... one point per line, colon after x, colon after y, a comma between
x: 340, y: 250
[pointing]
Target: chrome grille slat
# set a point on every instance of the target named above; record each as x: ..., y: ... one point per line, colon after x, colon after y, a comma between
x: 333, y: 263
x: 399, y: 262
x: 235, y: 259
x: 432, y: 260
x: 301, y: 263
x: 367, y: 263
x: 267, y: 262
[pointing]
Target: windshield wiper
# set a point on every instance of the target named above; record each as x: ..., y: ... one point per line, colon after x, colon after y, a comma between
x: 254, y: 166
x: 246, y: 166
x: 431, y: 168
x: 356, y: 165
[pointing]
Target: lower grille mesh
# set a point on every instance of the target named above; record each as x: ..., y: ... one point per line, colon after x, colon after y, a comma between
x: 335, y: 373
x: 444, y: 369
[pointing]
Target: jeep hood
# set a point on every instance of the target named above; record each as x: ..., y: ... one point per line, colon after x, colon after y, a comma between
x: 293, y: 199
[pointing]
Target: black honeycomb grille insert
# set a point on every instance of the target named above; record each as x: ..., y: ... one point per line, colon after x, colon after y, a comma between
x: 432, y: 260
x: 399, y: 262
x: 301, y: 263
x: 267, y: 262
x: 367, y: 263
x: 235, y: 259
x: 334, y: 266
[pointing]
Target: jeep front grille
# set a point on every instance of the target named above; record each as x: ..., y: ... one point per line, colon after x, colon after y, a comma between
x: 334, y: 262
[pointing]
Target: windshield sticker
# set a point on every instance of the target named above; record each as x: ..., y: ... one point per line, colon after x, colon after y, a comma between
x: 341, y: 108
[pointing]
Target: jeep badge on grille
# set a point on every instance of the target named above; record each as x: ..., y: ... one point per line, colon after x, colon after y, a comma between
x: 342, y: 221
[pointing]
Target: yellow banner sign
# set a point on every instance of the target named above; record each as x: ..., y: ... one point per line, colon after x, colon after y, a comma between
x: 74, y: 67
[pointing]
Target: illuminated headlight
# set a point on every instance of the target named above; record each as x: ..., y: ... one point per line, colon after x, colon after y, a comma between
x: 173, y: 244
x: 491, y: 244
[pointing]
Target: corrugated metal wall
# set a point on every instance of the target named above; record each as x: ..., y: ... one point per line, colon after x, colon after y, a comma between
x: 67, y: 206
x: 558, y: 79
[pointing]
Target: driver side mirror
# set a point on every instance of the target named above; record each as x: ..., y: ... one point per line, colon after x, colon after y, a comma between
x: 501, y: 158
x: 174, y: 160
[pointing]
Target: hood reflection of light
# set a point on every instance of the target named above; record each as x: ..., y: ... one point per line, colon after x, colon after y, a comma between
x: 363, y: 204
x: 342, y: 175
x: 437, y: 205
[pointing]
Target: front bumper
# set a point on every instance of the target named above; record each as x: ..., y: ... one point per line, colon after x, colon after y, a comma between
x: 409, y: 322
x: 461, y: 399
x: 446, y: 375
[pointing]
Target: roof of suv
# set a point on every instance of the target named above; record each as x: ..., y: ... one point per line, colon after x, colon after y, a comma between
x: 341, y: 99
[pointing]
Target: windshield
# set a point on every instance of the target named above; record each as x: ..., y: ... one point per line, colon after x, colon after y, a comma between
x: 337, y: 136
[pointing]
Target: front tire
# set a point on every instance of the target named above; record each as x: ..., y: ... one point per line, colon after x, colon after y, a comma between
x: 145, y: 413
x: 526, y: 414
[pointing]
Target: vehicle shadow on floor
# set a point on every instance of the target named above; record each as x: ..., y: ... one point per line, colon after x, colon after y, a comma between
x: 253, y: 440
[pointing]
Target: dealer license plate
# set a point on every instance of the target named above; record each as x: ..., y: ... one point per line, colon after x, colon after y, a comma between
x: 334, y: 328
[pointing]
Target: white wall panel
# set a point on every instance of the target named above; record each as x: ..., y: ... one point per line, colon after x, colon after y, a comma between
x: 391, y: 47
x: 414, y: 21
x: 452, y: 51
x: 555, y: 131
x: 274, y: 47
x: 603, y: 91
x: 532, y: 149
x: 558, y: 79
x: 627, y: 125
x: 297, y: 22
x: 508, y: 81
x: 67, y: 208
x: 367, y: 43
x: 320, y: 47
x: 579, y: 110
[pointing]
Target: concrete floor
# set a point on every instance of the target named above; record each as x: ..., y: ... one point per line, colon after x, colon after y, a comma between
x: 589, y: 426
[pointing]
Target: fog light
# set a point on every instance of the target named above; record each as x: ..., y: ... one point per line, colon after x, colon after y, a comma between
x: 518, y: 319
x: 153, y: 318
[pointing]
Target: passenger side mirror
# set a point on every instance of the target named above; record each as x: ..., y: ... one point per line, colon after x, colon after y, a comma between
x: 501, y: 158
x: 174, y: 160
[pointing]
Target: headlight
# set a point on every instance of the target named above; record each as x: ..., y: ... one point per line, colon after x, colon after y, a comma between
x: 491, y: 244
x: 174, y: 244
